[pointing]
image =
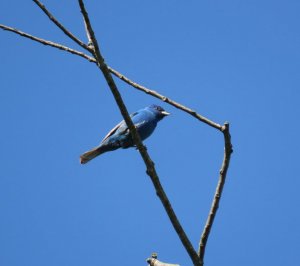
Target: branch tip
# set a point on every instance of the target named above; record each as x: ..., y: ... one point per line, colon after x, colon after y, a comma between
x: 225, y: 127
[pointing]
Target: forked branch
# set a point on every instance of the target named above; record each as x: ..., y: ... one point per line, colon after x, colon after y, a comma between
x: 60, y: 26
x: 93, y: 48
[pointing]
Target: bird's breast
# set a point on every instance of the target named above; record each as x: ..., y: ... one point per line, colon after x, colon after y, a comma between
x: 146, y: 128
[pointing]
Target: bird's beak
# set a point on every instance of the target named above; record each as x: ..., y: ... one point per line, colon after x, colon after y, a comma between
x: 165, y: 113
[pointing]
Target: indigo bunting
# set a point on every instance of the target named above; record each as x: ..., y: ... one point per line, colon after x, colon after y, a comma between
x: 145, y: 121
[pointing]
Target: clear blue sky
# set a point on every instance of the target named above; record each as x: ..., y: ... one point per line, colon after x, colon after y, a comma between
x: 230, y: 60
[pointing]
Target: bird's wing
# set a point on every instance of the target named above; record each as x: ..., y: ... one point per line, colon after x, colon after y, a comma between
x: 112, y: 131
x: 122, y: 125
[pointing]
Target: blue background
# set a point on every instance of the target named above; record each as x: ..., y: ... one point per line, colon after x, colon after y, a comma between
x: 230, y: 60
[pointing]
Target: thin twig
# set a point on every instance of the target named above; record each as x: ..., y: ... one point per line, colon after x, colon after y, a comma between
x: 136, y: 138
x: 60, y: 26
x: 89, y: 37
x: 215, y: 204
x: 165, y: 99
x: 46, y: 42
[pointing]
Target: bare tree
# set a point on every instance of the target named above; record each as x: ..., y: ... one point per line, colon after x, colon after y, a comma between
x: 95, y: 56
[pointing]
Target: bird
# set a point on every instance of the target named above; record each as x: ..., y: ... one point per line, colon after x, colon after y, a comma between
x: 144, y: 120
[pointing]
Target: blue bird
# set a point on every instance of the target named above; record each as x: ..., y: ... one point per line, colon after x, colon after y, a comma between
x: 145, y: 121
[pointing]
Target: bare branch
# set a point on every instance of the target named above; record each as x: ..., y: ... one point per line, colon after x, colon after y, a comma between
x: 215, y: 204
x: 46, y: 42
x: 60, y: 26
x: 93, y: 47
x: 151, y: 171
x: 165, y: 99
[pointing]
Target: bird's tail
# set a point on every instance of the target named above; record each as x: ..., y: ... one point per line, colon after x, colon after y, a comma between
x: 91, y: 154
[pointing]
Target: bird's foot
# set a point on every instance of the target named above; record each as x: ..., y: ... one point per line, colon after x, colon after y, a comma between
x: 138, y: 148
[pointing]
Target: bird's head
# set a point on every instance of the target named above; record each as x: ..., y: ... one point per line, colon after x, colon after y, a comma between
x: 159, y: 112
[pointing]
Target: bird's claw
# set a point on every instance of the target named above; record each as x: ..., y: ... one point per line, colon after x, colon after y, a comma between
x: 138, y: 148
